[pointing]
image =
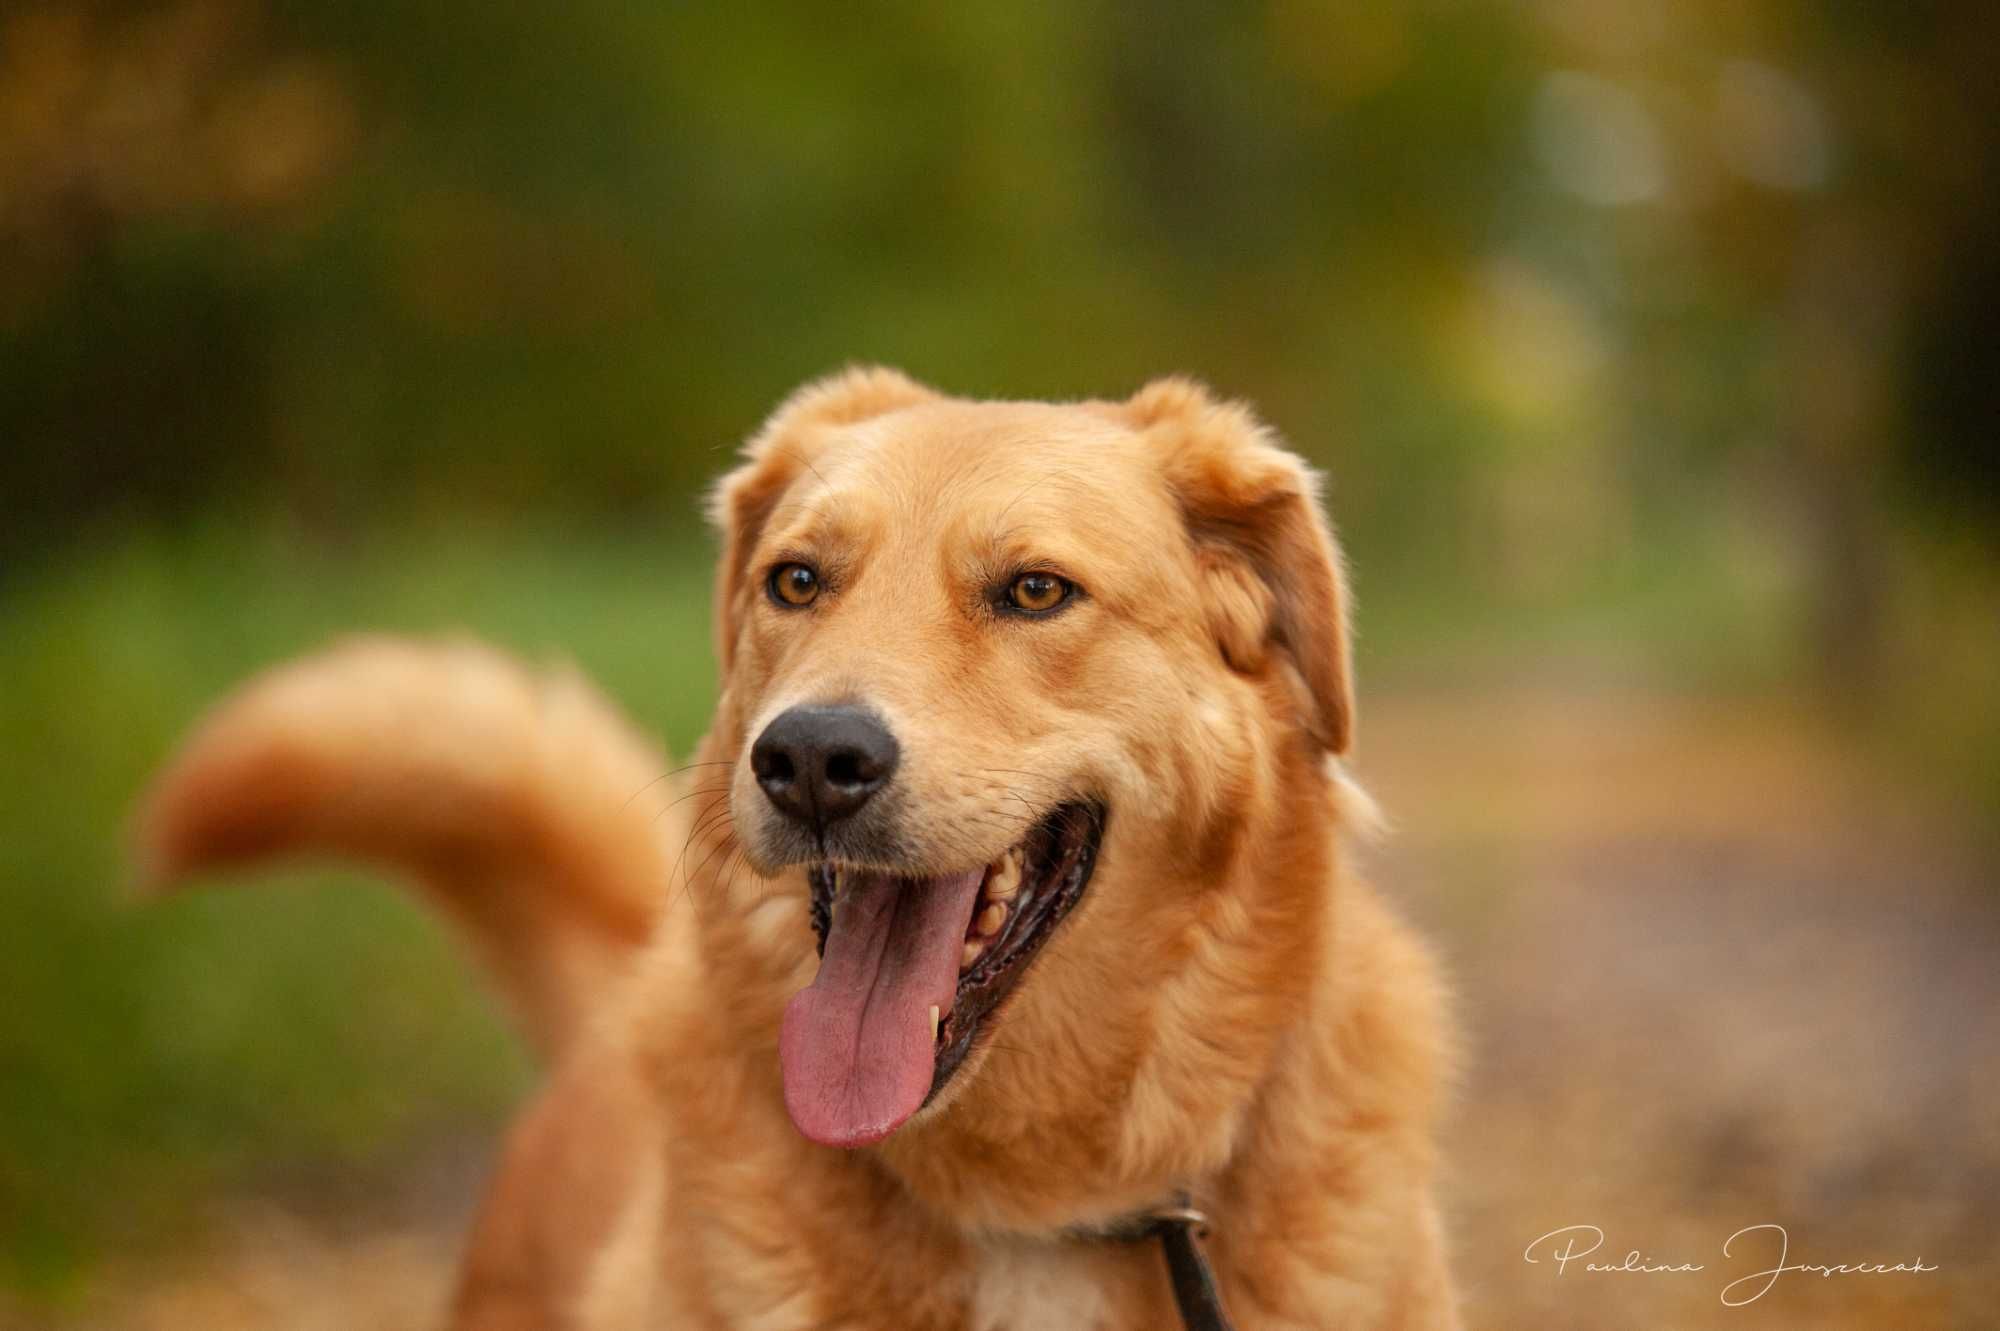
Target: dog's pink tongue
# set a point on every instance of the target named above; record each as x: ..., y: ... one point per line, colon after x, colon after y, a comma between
x: 856, y: 1046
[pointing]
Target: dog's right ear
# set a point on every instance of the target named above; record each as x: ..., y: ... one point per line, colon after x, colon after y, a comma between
x: 1273, y: 582
x: 775, y: 457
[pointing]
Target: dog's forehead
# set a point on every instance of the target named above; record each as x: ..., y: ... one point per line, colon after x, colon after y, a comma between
x: 1029, y: 457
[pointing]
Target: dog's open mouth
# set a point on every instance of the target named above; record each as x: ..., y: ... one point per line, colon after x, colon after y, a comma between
x: 909, y: 969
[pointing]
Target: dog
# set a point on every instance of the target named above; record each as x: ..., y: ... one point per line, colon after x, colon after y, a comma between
x: 1002, y: 918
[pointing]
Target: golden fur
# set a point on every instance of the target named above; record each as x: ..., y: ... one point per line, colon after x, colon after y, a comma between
x: 1227, y: 1010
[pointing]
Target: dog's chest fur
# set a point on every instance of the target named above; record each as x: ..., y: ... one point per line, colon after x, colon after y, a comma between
x: 1019, y: 1285
x: 999, y: 1285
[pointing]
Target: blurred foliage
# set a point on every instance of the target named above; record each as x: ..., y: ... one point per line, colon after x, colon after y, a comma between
x: 1521, y: 270
x: 1655, y: 337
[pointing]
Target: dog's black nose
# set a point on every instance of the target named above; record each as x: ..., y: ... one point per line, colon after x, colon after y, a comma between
x: 820, y: 764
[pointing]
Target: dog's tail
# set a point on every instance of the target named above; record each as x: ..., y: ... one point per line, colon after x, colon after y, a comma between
x: 522, y: 805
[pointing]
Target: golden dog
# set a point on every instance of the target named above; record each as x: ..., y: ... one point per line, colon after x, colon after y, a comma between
x: 1003, y: 904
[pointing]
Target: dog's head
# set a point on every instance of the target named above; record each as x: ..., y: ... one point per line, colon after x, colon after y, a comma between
x: 1015, y: 692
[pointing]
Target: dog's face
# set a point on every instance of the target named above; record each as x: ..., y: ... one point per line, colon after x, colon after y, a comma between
x: 1011, y: 683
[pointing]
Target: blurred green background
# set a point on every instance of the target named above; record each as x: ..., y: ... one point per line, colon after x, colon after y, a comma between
x: 1648, y: 348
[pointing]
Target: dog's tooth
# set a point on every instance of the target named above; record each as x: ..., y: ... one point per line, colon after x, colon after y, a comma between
x: 973, y: 947
x: 934, y: 1021
x: 1005, y: 881
x: 990, y: 920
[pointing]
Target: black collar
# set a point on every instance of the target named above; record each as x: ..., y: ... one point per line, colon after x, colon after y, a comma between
x: 1178, y: 1227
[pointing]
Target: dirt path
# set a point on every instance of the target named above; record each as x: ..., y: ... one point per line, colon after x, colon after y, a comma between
x: 1715, y: 974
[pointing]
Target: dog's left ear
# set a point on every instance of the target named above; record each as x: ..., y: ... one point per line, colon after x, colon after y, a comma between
x: 1273, y: 584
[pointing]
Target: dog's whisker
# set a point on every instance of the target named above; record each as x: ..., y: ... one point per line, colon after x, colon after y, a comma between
x: 727, y: 840
x: 799, y: 458
x: 697, y: 793
x: 711, y: 818
x: 705, y: 795
x: 695, y: 831
x: 1017, y: 771
x: 706, y: 823
x: 665, y: 776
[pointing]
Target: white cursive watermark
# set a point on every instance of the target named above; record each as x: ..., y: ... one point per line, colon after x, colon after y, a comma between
x: 1572, y: 1244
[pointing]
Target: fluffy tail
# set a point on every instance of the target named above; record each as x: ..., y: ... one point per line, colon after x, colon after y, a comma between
x: 524, y: 806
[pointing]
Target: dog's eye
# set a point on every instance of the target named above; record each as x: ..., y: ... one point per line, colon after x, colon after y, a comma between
x: 794, y: 585
x: 1038, y: 592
